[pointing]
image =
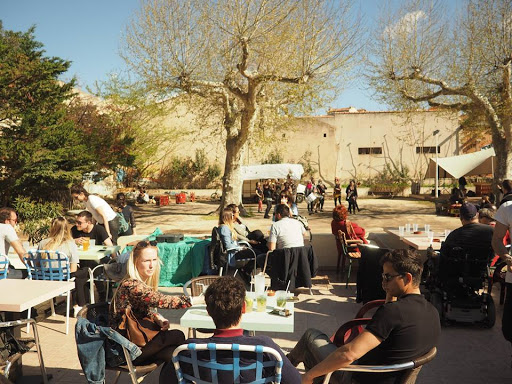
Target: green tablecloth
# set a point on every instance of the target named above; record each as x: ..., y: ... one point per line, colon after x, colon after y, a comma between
x: 180, y: 261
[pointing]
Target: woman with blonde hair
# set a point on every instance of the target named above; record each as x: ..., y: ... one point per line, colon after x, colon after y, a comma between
x: 60, y: 240
x: 138, y: 292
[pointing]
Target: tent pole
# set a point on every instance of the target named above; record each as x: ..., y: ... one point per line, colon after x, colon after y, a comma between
x: 437, y: 165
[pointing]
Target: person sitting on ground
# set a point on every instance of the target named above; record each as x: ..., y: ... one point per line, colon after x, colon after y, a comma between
x: 60, y: 240
x: 139, y: 292
x: 8, y: 237
x: 472, y: 234
x: 127, y: 212
x: 399, y: 331
x: 225, y: 303
x: 84, y: 227
x: 256, y: 238
x: 339, y: 222
x: 286, y: 232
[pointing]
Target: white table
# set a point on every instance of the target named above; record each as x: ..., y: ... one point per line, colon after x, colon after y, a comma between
x: 422, y: 243
x: 197, y: 317
x: 97, y: 252
x: 19, y: 295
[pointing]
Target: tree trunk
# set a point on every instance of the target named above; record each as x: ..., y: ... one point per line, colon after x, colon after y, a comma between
x: 503, y: 148
x: 232, y: 179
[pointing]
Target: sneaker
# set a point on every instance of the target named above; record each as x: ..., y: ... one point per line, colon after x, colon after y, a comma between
x: 76, y: 309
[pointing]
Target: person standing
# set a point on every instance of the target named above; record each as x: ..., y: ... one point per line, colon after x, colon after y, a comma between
x: 351, y: 192
x: 259, y: 194
x: 100, y: 210
x: 321, y: 188
x: 267, y: 195
x: 127, y: 212
x: 337, y: 192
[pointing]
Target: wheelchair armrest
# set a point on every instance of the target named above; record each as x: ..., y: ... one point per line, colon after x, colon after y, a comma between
x: 353, y: 242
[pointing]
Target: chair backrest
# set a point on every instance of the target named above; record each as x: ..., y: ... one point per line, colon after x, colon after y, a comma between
x: 465, y: 265
x: 218, y: 254
x: 369, y: 280
x: 410, y: 375
x: 4, y: 266
x: 198, y: 285
x: 227, y: 363
x: 47, y: 265
x: 96, y: 313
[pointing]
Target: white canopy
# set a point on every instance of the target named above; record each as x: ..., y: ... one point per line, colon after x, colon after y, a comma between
x: 477, y: 163
x: 272, y: 171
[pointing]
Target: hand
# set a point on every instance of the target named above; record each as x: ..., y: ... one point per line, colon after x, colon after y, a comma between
x: 161, y: 321
x: 79, y: 240
x: 253, y: 242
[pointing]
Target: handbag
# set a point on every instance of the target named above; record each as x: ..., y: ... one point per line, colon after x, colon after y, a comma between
x: 138, y: 332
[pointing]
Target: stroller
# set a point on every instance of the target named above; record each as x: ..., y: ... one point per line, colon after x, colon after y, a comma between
x: 455, y: 286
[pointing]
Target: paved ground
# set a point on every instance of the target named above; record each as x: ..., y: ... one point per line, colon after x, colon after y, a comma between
x: 467, y: 354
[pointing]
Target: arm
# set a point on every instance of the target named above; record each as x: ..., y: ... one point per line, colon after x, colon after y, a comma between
x: 103, y: 215
x: 226, y: 238
x: 142, y: 293
x: 272, y: 239
x: 343, y: 356
x: 500, y: 230
x: 18, y: 247
x: 132, y: 221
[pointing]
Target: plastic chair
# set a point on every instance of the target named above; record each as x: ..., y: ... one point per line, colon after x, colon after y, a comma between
x: 411, y: 368
x: 197, y: 287
x: 49, y: 265
x: 348, y: 250
x: 28, y: 344
x: 229, y: 371
x: 93, y: 312
x: 4, y: 266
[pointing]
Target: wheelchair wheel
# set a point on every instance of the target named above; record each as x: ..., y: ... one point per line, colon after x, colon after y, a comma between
x: 437, y: 301
x: 299, y: 198
x: 491, y: 312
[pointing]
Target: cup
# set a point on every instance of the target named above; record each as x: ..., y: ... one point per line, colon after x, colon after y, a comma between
x: 430, y: 236
x: 85, y: 243
x: 415, y: 227
x: 427, y: 227
x: 261, y: 303
x: 401, y: 230
x: 446, y: 233
x: 407, y: 227
x: 249, y: 302
x: 259, y: 283
x: 281, y: 297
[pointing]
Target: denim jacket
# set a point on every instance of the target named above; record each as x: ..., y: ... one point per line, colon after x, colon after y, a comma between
x: 98, y: 345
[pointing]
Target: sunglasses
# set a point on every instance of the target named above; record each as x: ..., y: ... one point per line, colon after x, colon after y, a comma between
x: 145, y: 243
x: 387, y: 277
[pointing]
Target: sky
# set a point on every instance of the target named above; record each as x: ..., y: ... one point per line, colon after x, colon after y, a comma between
x: 88, y: 34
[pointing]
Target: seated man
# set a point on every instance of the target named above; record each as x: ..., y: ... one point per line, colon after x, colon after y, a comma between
x: 286, y: 232
x: 85, y: 228
x: 472, y: 234
x: 225, y: 303
x: 399, y: 331
x: 8, y: 237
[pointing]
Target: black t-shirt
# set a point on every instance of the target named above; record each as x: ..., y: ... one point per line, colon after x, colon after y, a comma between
x: 474, y: 235
x: 98, y: 234
x: 408, y: 328
x: 267, y: 192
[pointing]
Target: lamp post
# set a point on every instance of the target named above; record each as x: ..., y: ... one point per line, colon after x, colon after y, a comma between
x: 435, y: 134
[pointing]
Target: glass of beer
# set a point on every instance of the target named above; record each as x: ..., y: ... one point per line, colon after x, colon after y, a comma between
x: 85, y: 243
x: 261, y: 303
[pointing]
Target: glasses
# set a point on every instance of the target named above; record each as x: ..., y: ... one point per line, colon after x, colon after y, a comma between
x: 387, y: 277
x: 145, y: 243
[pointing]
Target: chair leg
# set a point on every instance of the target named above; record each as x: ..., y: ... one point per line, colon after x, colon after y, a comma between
x: 67, y: 311
x: 129, y: 363
x: 116, y: 379
x: 503, y: 289
x: 28, y: 318
x: 349, y: 270
x: 52, y: 305
x: 39, y: 353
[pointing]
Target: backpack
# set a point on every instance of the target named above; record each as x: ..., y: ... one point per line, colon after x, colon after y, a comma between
x: 123, y: 224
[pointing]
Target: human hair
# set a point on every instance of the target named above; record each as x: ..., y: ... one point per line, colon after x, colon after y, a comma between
x: 226, y: 218
x: 59, y: 233
x: 78, y: 189
x: 224, y: 300
x: 339, y: 213
x: 487, y: 213
x: 405, y: 261
x: 131, y: 267
x: 283, y: 210
x: 87, y: 215
x: 120, y: 196
x: 5, y: 214
x: 352, y: 182
x: 507, y: 185
x: 233, y: 207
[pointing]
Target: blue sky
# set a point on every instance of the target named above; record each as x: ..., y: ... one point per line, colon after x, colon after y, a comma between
x: 88, y: 34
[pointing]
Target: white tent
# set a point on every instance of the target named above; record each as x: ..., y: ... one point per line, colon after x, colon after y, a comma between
x: 477, y: 163
x: 272, y: 171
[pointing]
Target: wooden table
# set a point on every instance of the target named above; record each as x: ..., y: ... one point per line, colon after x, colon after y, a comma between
x: 197, y: 317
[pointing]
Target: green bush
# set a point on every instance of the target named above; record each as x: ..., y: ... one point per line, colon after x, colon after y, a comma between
x: 36, y: 217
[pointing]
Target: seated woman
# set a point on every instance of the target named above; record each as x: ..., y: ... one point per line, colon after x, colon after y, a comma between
x: 255, y: 238
x: 138, y: 291
x: 339, y: 221
x: 60, y: 240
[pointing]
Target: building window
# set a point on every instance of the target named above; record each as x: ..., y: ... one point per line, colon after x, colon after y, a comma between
x: 420, y: 150
x: 370, y: 151
x: 325, y: 134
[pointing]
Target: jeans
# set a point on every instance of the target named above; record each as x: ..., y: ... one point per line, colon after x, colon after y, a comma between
x: 506, y: 324
x: 268, y: 201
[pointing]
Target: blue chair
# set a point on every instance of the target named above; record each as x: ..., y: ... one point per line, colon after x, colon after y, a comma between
x: 49, y: 265
x: 264, y: 357
x: 4, y: 266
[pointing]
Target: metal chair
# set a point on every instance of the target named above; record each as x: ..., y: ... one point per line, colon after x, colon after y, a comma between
x: 28, y: 344
x: 220, y: 255
x: 197, y: 287
x: 49, y: 265
x: 4, y: 266
x: 93, y: 312
x: 348, y: 250
x: 411, y: 368
x: 98, y: 274
x: 206, y: 367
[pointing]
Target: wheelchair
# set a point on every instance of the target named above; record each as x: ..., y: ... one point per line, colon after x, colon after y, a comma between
x: 455, y: 285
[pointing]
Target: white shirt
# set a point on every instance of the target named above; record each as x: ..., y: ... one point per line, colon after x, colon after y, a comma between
x: 7, y: 236
x: 69, y: 248
x: 504, y: 216
x: 287, y: 233
x: 93, y: 203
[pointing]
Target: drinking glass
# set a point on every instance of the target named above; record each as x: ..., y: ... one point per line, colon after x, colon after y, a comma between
x: 401, y: 230
x: 408, y: 227
x: 281, y: 297
x: 85, y: 243
x: 415, y: 227
x: 261, y: 303
x: 249, y: 302
x: 430, y: 236
x: 427, y: 227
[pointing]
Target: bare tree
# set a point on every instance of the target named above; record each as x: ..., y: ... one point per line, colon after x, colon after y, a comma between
x: 250, y: 60
x: 425, y: 55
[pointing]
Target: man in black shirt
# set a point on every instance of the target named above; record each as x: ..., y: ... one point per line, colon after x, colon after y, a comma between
x: 85, y: 228
x: 400, y: 330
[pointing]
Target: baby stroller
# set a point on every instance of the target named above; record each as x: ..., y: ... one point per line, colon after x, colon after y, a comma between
x: 455, y: 286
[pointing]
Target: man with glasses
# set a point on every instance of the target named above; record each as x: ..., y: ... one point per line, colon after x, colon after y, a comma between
x: 8, y: 236
x: 400, y: 330
x: 84, y: 227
